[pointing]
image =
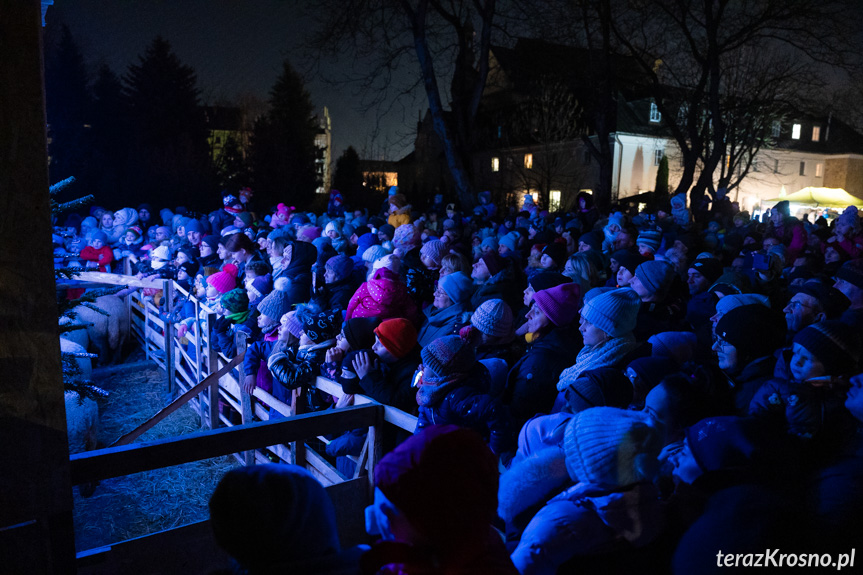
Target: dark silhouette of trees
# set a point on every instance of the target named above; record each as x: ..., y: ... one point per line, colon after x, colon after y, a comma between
x: 283, y: 144
x: 348, y: 178
x: 232, y: 169
x: 110, y: 136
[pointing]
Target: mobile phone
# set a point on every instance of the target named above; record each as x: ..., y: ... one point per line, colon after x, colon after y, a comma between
x: 760, y: 262
x: 418, y: 375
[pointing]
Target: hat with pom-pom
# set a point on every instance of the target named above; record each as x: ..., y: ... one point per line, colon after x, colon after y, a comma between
x: 277, y: 304
x: 225, y: 280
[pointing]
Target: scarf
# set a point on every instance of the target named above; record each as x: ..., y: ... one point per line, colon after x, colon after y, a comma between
x: 604, y: 354
x: 238, y: 317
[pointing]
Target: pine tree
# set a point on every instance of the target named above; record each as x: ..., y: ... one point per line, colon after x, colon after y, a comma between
x: 283, y: 144
x: 348, y: 178
x: 110, y: 133
x: 660, y: 190
x: 170, y: 156
x: 232, y: 170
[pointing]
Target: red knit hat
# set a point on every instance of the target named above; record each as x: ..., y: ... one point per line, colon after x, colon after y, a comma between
x: 225, y: 280
x: 560, y: 303
x: 398, y: 335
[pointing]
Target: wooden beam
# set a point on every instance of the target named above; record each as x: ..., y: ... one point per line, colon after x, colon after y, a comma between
x: 117, y: 280
x: 125, y: 460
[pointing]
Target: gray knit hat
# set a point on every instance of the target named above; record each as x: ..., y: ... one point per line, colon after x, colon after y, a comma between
x: 614, y: 312
x: 277, y: 304
x: 611, y: 446
x: 457, y: 286
x: 493, y: 317
x: 656, y: 276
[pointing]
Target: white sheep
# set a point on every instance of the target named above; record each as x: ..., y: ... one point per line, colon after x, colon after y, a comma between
x: 82, y: 422
x: 109, y: 332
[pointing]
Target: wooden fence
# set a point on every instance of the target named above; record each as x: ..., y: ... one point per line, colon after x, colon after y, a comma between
x: 255, y: 428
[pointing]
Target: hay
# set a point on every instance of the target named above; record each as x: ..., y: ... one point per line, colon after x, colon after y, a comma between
x: 136, y: 505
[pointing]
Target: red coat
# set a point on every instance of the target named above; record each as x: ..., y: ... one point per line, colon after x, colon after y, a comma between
x: 104, y: 256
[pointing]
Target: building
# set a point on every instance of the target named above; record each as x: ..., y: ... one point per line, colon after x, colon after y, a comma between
x: 324, y: 151
x: 224, y: 124
x: 379, y: 175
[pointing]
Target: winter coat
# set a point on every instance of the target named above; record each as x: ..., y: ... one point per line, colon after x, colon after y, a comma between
x: 383, y: 296
x: 750, y: 380
x: 299, y: 272
x: 220, y: 219
x: 390, y: 384
x: 531, y: 383
x: 295, y: 366
x: 792, y: 234
x: 439, y: 322
x: 466, y: 402
x: 588, y: 519
x: 419, y: 280
x: 511, y: 352
x: 803, y: 408
x: 104, y: 256
x: 336, y: 295
x: 224, y: 331
x: 255, y: 361
x: 501, y: 285
x: 659, y: 317
x: 397, y: 558
x: 400, y: 217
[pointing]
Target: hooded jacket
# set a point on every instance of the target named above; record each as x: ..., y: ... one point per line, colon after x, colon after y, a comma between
x: 299, y: 272
x: 439, y: 322
x: 383, y: 296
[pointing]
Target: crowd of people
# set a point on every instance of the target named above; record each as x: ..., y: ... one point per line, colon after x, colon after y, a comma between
x: 622, y: 392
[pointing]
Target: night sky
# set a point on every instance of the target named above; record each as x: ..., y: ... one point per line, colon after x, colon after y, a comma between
x: 235, y: 47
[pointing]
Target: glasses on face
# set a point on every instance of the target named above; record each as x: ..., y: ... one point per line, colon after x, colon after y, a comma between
x: 719, y: 343
x: 798, y: 304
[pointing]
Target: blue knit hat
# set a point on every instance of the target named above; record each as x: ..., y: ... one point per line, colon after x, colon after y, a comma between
x: 654, y: 275
x: 614, y: 312
x: 342, y: 266
x: 457, y: 286
x: 446, y: 356
x: 510, y: 240
x: 99, y: 235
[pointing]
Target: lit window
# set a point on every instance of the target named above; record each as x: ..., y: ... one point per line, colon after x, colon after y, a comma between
x: 816, y: 133
x: 802, y: 168
x: 528, y: 161
x: 819, y: 170
x: 495, y: 164
x: 657, y: 156
x: 777, y: 129
x: 553, y: 200
x: 795, y: 132
x: 655, y: 116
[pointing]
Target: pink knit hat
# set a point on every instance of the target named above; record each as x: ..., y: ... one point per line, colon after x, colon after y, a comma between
x: 225, y: 280
x: 560, y: 303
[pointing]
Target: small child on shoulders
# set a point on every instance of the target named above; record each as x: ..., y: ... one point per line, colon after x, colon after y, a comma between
x: 98, y: 254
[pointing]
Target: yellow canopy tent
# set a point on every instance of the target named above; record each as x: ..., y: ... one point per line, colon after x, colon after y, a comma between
x: 822, y: 197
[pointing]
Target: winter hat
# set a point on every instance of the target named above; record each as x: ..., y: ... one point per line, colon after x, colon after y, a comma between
x: 160, y: 257
x: 710, y: 268
x: 831, y: 299
x: 166, y: 215
x: 406, y: 238
x: 849, y: 217
x: 545, y: 280
x: 125, y: 217
x: 135, y: 230
x: 493, y: 262
x: 834, y: 343
x: 591, y: 239
x: 321, y: 326
x: 434, y: 250
x: 398, y: 335
x: 852, y: 272
x: 212, y: 241
x: 677, y: 345
x: 225, y: 280
x: 448, y: 224
x: 389, y: 261
x: 628, y: 259
x: 489, y: 243
x: 655, y: 276
x: 189, y: 252
x: 510, y: 241
x: 388, y: 231
x: 559, y: 303
x: 277, y: 303
x: 755, y: 330
x: 342, y: 266
x: 258, y: 508
x: 229, y: 231
x: 557, y: 252
x: 398, y: 200
x: 727, y: 442
x: 196, y: 226
x: 373, y: 253
x: 100, y: 235
x: 493, y: 317
x: 309, y: 233
x: 611, y: 447
x: 360, y: 332
x: 650, y: 238
x: 446, y: 356
x: 331, y: 227
x: 457, y: 286
x: 614, y: 311
x: 190, y: 268
x: 651, y: 371
x: 366, y: 241
x: 730, y: 302
x: 426, y: 478
x: 235, y: 301
x: 603, y: 387
x: 261, y: 285
x: 244, y: 217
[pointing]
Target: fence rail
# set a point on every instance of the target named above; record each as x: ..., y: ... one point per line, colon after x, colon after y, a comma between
x: 254, y: 427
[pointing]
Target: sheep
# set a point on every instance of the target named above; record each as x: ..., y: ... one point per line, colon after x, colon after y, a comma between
x: 85, y: 364
x: 82, y: 422
x: 107, y: 333
x: 78, y: 336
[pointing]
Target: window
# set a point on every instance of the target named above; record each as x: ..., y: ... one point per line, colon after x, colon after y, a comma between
x: 795, y: 132
x: 528, y: 161
x: 775, y: 166
x: 802, y: 168
x: 816, y: 133
x: 777, y: 129
x: 819, y: 170
x: 495, y: 164
x: 655, y: 116
x: 682, y: 113
x: 553, y: 200
x: 657, y: 156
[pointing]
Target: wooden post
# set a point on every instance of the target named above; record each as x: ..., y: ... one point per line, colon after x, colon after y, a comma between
x: 168, y: 294
x: 245, y: 402
x: 375, y: 445
x: 36, y: 529
x: 298, y: 448
x: 212, y: 367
